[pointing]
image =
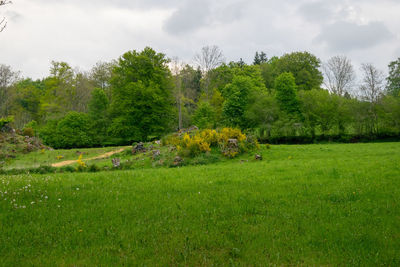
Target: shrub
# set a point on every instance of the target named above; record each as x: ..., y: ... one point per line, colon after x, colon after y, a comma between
x: 81, y: 164
x: 67, y: 169
x: 192, y: 146
x: 72, y: 131
x: 172, y: 139
x: 28, y: 132
x: 231, y: 133
x: 93, y: 168
x: 210, y: 136
x: 5, y: 121
x: 204, y: 117
x: 229, y: 141
x: 30, y: 129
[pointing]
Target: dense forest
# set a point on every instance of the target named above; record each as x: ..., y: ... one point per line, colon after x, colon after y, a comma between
x: 144, y: 95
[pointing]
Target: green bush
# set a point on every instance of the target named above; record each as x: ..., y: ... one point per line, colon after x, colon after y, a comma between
x: 28, y: 132
x: 5, y: 121
x: 72, y: 131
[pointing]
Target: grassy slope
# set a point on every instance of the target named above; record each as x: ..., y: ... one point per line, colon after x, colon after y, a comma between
x: 309, y: 205
x: 48, y: 157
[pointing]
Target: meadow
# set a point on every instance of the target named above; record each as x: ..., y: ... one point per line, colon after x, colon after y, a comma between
x: 325, y: 204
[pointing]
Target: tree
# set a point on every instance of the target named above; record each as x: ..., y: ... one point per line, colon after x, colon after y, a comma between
x: 260, y: 58
x: 142, y: 95
x: 339, y: 75
x: 319, y: 108
x: 371, y: 90
x: 393, y: 80
x: 262, y: 112
x: 269, y: 72
x: 372, y: 84
x: 304, y: 67
x: 204, y: 117
x: 66, y: 90
x: 25, y: 101
x: 7, y: 78
x: 3, y: 22
x: 286, y: 95
x: 237, y: 99
x: 208, y: 59
x: 176, y: 66
x: 98, y: 113
x: 101, y: 75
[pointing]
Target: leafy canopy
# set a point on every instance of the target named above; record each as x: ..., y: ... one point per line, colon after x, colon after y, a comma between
x: 142, y: 95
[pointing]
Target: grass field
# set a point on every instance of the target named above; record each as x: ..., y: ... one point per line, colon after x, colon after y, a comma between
x: 302, y: 205
x: 48, y: 157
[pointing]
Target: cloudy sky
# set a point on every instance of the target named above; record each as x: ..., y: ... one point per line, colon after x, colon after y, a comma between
x: 84, y: 32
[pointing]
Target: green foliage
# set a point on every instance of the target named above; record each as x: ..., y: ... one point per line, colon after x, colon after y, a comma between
x: 237, y: 99
x: 204, y: 117
x: 323, y: 110
x: 98, y: 114
x: 6, y: 121
x: 393, y: 80
x: 303, y: 65
x: 260, y: 58
x: 71, y: 131
x: 28, y: 131
x: 142, y: 99
x: 286, y: 95
x: 262, y: 113
x: 136, y: 98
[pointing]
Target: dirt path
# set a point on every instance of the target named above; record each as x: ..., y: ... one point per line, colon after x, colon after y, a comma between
x: 69, y: 162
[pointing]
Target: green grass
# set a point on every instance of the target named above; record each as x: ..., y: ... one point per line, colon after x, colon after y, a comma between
x: 302, y: 205
x: 48, y: 157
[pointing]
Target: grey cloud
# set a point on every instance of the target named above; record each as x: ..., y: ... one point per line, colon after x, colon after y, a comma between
x: 134, y: 4
x: 231, y: 12
x: 82, y: 32
x: 316, y: 11
x: 195, y: 14
x: 189, y: 17
x: 345, y: 36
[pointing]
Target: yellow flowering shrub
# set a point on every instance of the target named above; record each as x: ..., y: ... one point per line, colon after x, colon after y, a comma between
x: 229, y: 141
x: 210, y: 136
x: 80, y: 162
x: 173, y: 140
x: 193, y: 145
x: 231, y: 133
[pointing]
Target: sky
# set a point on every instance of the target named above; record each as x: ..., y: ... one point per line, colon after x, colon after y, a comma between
x: 82, y: 33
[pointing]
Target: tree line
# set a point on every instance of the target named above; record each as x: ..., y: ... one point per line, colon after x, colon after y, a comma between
x: 143, y: 95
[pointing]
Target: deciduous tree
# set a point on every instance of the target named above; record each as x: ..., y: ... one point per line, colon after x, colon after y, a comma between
x: 339, y: 75
x: 372, y: 85
x: 393, y: 80
x: 7, y: 79
x: 142, y: 95
x: 208, y: 59
x: 286, y: 95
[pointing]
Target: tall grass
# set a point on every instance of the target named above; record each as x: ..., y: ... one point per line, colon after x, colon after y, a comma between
x: 302, y: 205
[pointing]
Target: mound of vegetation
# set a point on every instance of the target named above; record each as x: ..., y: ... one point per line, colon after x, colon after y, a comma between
x: 187, y: 147
x: 191, y: 143
x: 13, y: 142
